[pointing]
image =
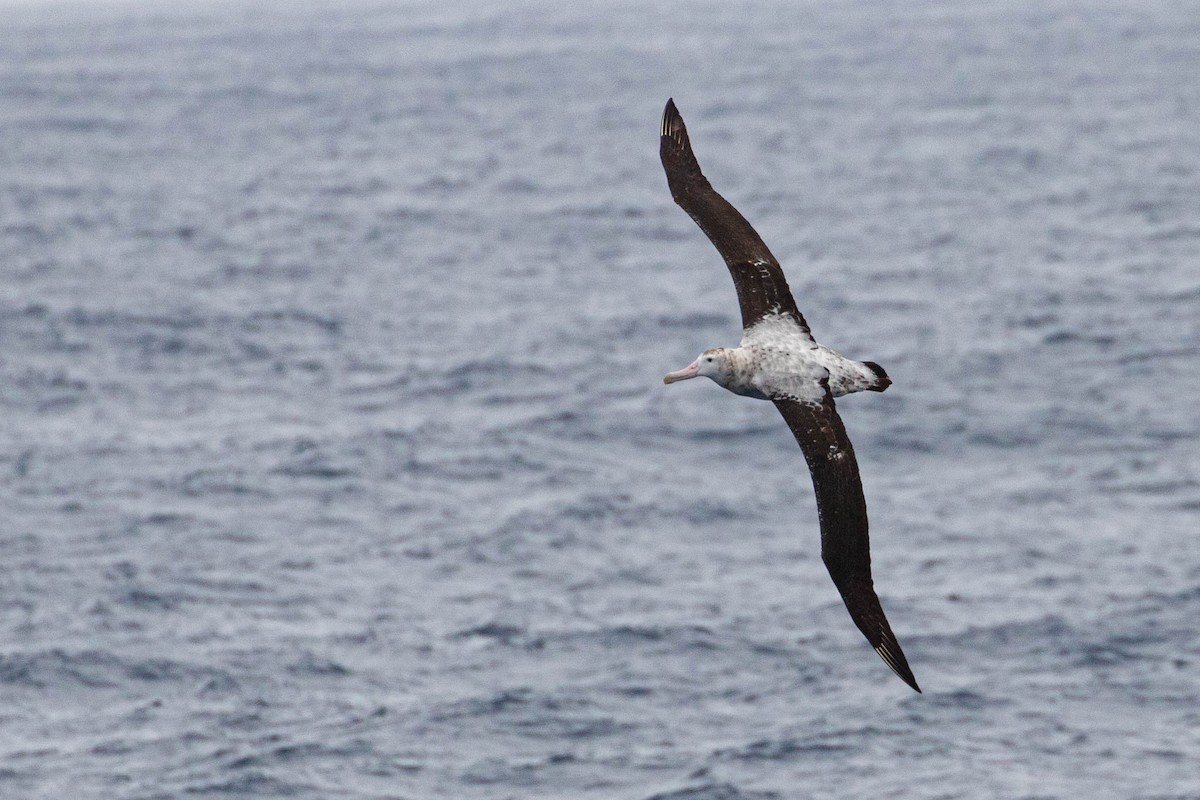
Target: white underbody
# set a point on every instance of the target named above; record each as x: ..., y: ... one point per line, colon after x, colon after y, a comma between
x: 780, y: 359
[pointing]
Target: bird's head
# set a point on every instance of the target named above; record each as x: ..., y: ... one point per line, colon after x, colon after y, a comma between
x: 715, y: 364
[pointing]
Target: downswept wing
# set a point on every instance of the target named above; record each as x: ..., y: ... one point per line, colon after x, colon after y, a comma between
x: 761, y: 286
x: 842, y: 510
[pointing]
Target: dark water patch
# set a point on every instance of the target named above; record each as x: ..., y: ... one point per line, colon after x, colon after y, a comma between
x: 1175, y: 233
x: 1004, y: 439
x: 152, y: 344
x: 1170, y: 435
x: 1187, y: 295
x: 1007, y: 157
x: 476, y: 467
x: 911, y: 441
x: 1147, y: 476
x: 707, y: 511
x: 713, y: 791
x: 312, y: 664
x: 1033, y: 641
x: 232, y: 585
x: 1062, y: 337
x: 1103, y: 654
x: 45, y: 390
x: 263, y: 271
x: 597, y: 211
x: 411, y: 214
x: 1035, y: 321
x: 282, y: 319
x: 494, y: 631
x: 82, y: 125
x: 655, y: 231
x: 314, y: 466
x: 566, y: 424
x: 488, y: 706
x: 1154, y: 600
x: 966, y: 700
x: 184, y: 319
x: 221, y: 481
x: 160, y: 669
x: 460, y: 383
x: 309, y: 459
x: 1041, y: 496
x: 389, y: 386
x: 56, y: 669
x: 786, y: 749
x: 568, y: 727
x: 288, y: 755
x: 166, y: 519
x: 149, y: 600
x: 254, y: 783
x: 505, y: 368
x: 222, y: 685
x: 366, y: 188
x: 1083, y: 424
x: 492, y: 771
x: 41, y: 234
x: 18, y: 312
x: 519, y: 185
x: 594, y: 507
x: 535, y: 715
x: 518, y: 397
x: 566, y: 519
x: 700, y: 432
x: 663, y: 638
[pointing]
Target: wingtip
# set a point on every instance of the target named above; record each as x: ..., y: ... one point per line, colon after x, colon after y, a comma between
x: 898, y: 664
x: 671, y: 121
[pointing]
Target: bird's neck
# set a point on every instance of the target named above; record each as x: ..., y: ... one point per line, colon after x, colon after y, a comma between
x: 740, y: 362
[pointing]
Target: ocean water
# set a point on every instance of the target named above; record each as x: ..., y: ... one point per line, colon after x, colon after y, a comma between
x: 335, y: 460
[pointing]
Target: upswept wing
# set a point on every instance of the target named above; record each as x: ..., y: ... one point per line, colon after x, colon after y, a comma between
x: 761, y: 286
x: 842, y: 510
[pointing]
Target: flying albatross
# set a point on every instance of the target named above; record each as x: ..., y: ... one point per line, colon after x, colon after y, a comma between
x: 779, y: 360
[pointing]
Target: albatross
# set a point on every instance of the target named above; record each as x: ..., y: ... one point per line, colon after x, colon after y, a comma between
x: 779, y: 360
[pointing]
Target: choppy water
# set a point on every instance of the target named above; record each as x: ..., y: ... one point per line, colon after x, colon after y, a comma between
x: 334, y: 456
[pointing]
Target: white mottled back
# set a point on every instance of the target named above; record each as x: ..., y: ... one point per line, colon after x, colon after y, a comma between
x: 779, y: 359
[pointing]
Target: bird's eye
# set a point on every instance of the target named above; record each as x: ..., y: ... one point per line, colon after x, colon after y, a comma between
x: 709, y: 359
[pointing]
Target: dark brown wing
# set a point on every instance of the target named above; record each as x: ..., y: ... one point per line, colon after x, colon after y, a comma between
x: 761, y: 287
x: 842, y: 509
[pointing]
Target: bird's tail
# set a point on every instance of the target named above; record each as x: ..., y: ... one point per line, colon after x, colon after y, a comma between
x: 882, y: 381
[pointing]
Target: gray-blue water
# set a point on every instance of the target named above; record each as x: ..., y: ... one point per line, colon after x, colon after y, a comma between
x: 335, y: 460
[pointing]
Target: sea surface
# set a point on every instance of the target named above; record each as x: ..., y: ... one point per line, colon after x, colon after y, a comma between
x: 335, y: 460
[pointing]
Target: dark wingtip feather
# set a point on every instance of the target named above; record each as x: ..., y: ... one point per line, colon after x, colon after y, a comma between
x: 882, y: 381
x: 893, y: 656
x: 672, y: 123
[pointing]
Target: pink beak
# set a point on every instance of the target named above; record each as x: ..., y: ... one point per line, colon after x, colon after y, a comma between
x: 683, y: 374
